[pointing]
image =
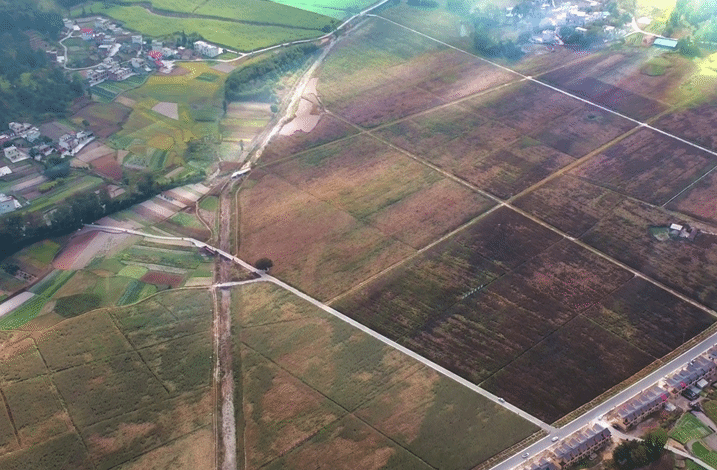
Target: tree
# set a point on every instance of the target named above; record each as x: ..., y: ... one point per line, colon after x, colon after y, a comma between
x: 264, y: 264
x: 655, y: 442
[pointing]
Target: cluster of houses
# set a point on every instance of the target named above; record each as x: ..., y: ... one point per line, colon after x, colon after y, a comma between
x: 70, y: 144
x: 206, y: 49
x: 109, y: 69
x: 683, y: 231
x: 688, y: 381
x: 578, y: 445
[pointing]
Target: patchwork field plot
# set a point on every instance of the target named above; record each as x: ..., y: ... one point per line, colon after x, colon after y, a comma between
x: 648, y: 166
x: 353, y: 400
x: 695, y: 124
x: 105, y: 118
x: 697, y: 200
x: 381, y: 74
x: 615, y: 81
x: 113, y: 377
x: 327, y: 130
x: 489, y: 302
x: 378, y: 204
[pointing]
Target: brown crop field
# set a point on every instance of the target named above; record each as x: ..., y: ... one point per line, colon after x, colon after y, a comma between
x: 574, y: 365
x: 698, y: 201
x: 648, y: 166
x: 162, y: 279
x: 336, y: 215
x: 327, y: 130
x: 615, y: 80
x: 689, y: 267
x: 696, y: 124
x: 525, y: 106
x: 316, y: 389
x: 108, y: 166
x: 626, y: 70
x: 650, y: 318
x: 570, y: 204
x: 105, y: 118
x: 583, y: 130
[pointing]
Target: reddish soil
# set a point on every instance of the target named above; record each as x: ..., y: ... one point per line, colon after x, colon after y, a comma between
x: 648, y: 166
x: 102, y: 123
x: 108, y: 166
x: 67, y: 257
x: 328, y: 129
x: 163, y: 279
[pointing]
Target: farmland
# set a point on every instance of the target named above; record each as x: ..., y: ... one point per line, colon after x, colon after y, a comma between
x: 214, y: 21
x: 314, y: 388
x: 694, y: 123
x: 369, y: 223
x: 333, y: 8
x: 647, y: 166
x: 491, y: 305
x: 111, y: 378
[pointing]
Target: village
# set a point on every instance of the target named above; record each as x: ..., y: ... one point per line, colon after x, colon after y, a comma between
x: 676, y: 403
x: 105, y: 51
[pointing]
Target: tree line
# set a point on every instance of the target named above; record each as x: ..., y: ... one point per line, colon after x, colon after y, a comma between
x: 21, y: 229
x: 256, y: 81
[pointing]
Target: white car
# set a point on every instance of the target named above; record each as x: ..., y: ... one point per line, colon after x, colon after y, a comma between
x: 555, y: 439
x: 525, y: 456
x: 501, y: 400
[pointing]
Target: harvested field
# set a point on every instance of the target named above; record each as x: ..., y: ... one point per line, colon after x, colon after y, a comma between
x: 525, y: 106
x: 105, y: 118
x: 649, y: 318
x: 36, y: 410
x: 615, y: 81
x: 571, y: 204
x: 108, y: 166
x: 648, y: 166
x: 68, y: 256
x: 583, y: 130
x: 688, y: 267
x: 698, y: 201
x: 190, y: 452
x: 696, y: 124
x: 93, y: 151
x: 167, y: 109
x: 322, y: 249
x: 315, y: 388
x: 54, y: 129
x: 575, y: 364
x: 162, y: 279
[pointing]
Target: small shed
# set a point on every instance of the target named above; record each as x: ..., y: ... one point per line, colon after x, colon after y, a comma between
x: 702, y: 384
x: 665, y: 43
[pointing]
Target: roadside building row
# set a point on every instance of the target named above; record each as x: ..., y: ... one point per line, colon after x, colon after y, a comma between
x: 639, y: 407
x: 578, y: 445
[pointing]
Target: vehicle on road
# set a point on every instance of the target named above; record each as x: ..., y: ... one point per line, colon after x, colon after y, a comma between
x: 555, y: 439
x: 525, y: 456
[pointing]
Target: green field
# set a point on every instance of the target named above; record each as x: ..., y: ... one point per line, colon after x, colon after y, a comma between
x: 254, y: 25
x: 704, y: 454
x: 134, y: 272
x: 339, y: 9
x: 72, y: 186
x: 107, y: 91
x: 689, y: 428
x: 186, y: 220
x: 209, y: 203
x: 112, y: 389
x: 23, y: 314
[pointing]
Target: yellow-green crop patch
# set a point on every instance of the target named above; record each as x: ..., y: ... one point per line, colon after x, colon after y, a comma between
x: 132, y: 271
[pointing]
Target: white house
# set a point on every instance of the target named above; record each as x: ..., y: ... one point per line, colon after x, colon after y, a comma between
x: 13, y: 154
x: 4, y: 171
x: 7, y: 204
x: 137, y: 39
x: 209, y: 50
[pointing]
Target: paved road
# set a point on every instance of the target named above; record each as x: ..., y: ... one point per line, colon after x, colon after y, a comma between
x: 266, y: 277
x: 592, y: 416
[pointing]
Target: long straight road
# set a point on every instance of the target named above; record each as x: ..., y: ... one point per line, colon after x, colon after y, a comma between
x: 594, y: 415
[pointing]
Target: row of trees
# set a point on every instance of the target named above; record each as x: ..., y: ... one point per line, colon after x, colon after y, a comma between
x: 18, y: 230
x: 256, y: 81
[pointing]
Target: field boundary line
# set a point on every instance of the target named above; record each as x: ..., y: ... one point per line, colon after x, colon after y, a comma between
x: 337, y: 404
x: 12, y: 420
x: 559, y: 90
x: 443, y: 371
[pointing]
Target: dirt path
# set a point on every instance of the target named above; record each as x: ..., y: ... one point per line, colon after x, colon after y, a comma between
x: 224, y: 373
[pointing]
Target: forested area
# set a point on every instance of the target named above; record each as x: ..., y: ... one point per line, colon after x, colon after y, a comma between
x: 256, y: 81
x: 30, y: 88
